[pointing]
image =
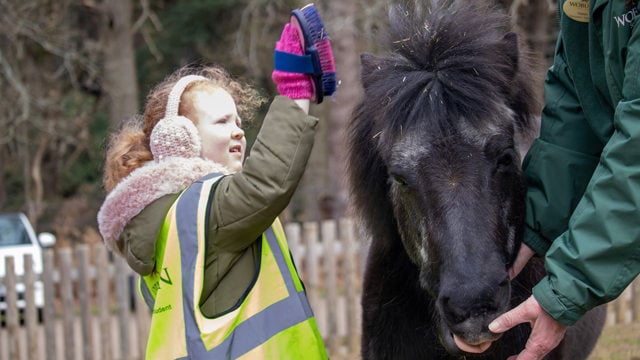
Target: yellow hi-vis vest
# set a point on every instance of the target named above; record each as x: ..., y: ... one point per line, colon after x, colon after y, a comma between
x: 273, y: 320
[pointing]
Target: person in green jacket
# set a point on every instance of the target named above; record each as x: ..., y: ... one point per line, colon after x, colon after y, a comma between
x: 192, y: 127
x: 583, y: 174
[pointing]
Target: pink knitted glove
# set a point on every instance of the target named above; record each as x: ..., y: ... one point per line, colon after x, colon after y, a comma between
x: 292, y: 85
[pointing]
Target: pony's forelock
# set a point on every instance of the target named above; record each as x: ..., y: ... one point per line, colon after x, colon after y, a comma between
x: 442, y: 67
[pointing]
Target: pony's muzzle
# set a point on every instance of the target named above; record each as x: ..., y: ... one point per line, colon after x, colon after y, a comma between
x: 467, y: 310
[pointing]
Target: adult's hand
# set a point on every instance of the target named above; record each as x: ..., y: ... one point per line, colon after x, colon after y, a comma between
x: 524, y: 255
x: 546, y: 333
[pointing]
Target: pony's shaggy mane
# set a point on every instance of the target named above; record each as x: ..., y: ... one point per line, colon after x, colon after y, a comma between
x: 457, y: 62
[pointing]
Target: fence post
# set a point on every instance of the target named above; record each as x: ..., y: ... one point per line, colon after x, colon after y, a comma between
x: 329, y: 234
x: 12, y: 311
x: 84, y: 291
x: 30, y: 311
x: 49, y: 311
x: 351, y: 285
x: 68, y: 308
x: 103, y: 280
x: 310, y: 235
x: 292, y: 231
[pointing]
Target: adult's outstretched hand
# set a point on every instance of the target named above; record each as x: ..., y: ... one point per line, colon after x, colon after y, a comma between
x: 546, y: 332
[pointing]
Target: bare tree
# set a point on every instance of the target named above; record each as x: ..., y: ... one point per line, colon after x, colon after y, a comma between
x: 61, y: 64
x: 41, y: 58
x: 119, y: 76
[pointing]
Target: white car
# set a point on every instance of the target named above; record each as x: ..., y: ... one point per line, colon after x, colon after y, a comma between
x: 17, y: 238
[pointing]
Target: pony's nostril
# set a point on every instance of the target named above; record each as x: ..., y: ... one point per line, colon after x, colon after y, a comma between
x: 504, y: 282
x: 455, y: 314
x: 480, y: 312
x: 473, y: 306
x: 457, y: 317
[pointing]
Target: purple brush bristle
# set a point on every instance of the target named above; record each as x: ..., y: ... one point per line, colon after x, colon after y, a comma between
x: 317, y: 40
x: 328, y: 66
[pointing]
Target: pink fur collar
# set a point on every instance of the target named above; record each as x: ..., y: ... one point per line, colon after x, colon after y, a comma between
x: 145, y: 185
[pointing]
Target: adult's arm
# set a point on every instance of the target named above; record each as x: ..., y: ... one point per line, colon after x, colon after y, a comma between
x: 598, y: 255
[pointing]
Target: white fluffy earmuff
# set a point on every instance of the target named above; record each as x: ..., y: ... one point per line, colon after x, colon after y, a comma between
x: 175, y: 135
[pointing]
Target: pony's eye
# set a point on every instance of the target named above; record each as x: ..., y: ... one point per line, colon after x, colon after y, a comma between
x: 505, y: 160
x: 399, y: 180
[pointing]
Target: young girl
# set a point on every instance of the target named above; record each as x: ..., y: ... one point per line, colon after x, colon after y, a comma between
x: 200, y: 226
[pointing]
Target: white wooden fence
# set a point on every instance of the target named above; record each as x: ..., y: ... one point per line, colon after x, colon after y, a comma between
x: 90, y: 312
x: 92, y: 309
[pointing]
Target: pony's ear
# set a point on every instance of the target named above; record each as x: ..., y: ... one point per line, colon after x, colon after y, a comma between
x: 370, y: 64
x: 510, y: 41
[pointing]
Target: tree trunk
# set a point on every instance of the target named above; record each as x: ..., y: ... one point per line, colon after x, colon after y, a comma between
x: 36, y: 206
x: 120, y: 79
x: 343, y: 32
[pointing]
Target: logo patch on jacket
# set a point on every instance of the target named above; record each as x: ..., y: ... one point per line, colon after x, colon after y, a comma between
x: 578, y: 10
x: 628, y: 18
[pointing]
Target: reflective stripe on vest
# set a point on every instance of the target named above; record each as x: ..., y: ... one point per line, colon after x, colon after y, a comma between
x: 274, y: 320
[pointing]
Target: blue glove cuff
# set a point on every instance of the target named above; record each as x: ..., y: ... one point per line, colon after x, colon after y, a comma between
x: 294, y: 63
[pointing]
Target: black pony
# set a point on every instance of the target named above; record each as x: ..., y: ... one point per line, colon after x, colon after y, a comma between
x: 436, y: 181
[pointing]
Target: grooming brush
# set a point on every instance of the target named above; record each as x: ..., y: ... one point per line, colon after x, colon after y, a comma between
x: 317, y: 60
x: 318, y: 46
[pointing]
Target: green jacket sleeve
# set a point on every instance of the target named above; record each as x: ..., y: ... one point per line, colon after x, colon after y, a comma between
x: 246, y: 203
x: 560, y: 161
x: 598, y: 255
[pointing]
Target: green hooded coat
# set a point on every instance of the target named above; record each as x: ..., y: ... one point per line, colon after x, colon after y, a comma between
x: 583, y: 172
x: 244, y: 205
